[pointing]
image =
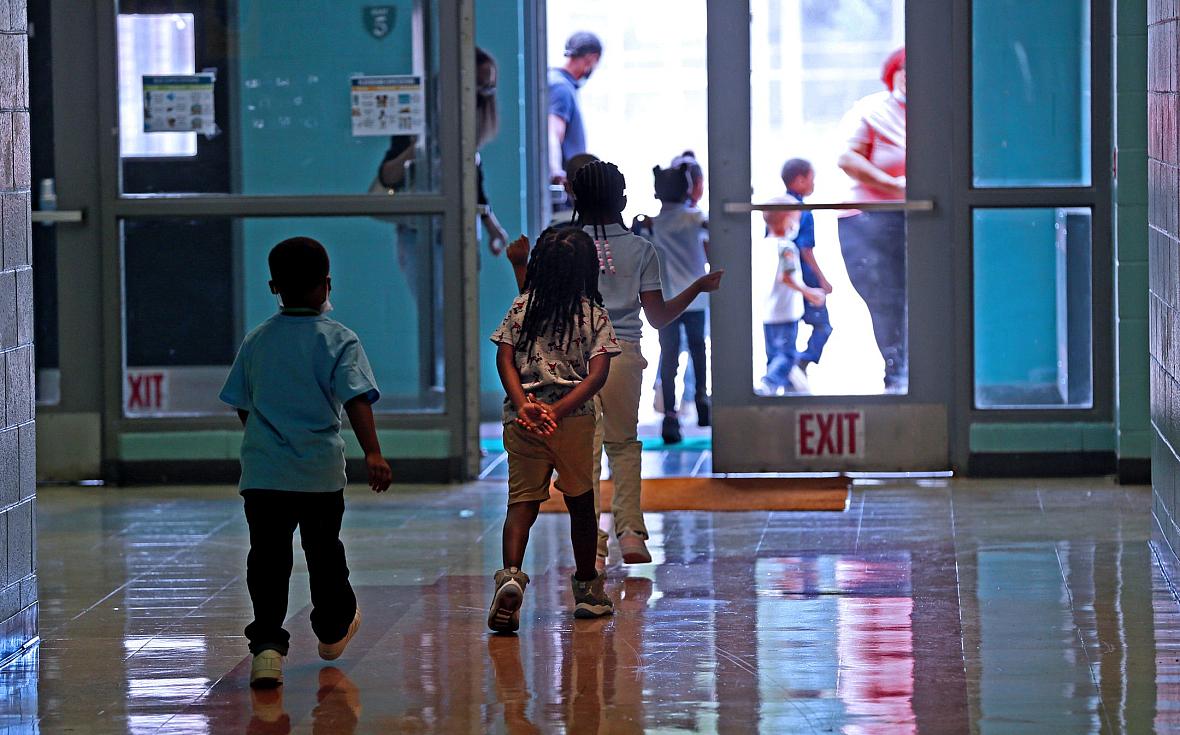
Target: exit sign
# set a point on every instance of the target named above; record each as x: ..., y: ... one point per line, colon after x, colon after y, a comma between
x: 821, y: 433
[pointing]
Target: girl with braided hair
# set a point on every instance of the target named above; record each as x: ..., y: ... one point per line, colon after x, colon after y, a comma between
x: 629, y: 280
x: 554, y: 352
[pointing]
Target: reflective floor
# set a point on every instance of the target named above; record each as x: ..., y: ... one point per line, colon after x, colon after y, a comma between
x: 939, y: 607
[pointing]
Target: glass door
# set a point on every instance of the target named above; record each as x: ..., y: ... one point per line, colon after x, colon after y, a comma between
x: 836, y: 313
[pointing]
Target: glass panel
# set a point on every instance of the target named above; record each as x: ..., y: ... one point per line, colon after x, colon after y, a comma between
x: 285, y: 115
x: 1030, y: 97
x: 828, y: 121
x: 1033, y: 338
x: 194, y: 287
x: 45, y: 321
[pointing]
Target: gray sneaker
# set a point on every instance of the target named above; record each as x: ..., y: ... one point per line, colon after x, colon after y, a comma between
x: 504, y: 614
x: 590, y: 600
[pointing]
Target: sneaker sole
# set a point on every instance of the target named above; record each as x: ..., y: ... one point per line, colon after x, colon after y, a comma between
x: 329, y: 651
x: 505, y: 605
x: 266, y: 680
x: 586, y: 610
x: 637, y: 557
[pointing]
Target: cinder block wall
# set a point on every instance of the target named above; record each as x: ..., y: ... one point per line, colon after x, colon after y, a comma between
x: 1163, y: 183
x: 18, y: 578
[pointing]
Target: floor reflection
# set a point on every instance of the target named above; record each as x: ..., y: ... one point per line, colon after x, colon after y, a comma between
x: 952, y: 607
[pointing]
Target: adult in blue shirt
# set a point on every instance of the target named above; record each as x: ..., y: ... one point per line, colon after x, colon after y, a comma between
x: 567, y: 136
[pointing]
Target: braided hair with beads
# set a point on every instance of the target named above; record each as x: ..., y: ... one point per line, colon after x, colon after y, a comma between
x: 562, y: 271
x: 599, y: 199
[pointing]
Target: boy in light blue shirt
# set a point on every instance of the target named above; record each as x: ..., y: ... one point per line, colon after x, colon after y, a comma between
x: 291, y: 377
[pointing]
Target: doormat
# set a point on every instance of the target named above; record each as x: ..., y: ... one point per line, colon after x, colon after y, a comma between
x: 729, y: 494
x: 495, y: 445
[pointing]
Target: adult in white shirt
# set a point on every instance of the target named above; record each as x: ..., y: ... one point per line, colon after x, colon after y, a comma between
x: 873, y: 243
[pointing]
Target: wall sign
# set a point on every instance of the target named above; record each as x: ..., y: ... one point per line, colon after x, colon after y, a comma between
x: 179, y: 103
x: 829, y: 433
x: 379, y: 19
x: 388, y: 105
x: 146, y: 391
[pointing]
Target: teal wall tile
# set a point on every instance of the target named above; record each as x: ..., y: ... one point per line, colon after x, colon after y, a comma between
x: 1098, y: 437
x: 1038, y: 437
x: 1131, y: 18
x: 182, y: 445
x: 1135, y: 444
x: 1132, y: 181
x: 1131, y: 233
x: 1131, y: 117
x: 1133, y: 292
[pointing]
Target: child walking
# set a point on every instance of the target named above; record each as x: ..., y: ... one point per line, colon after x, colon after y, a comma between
x: 291, y: 377
x: 555, y: 349
x: 799, y: 177
x: 629, y: 280
x: 679, y: 235
x: 784, y: 303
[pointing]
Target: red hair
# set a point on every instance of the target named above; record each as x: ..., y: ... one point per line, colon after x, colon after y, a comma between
x: 893, y: 64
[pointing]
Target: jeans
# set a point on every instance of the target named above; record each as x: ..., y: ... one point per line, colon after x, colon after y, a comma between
x: 694, y: 329
x: 273, y: 516
x: 873, y: 245
x: 781, y: 353
x: 821, y: 329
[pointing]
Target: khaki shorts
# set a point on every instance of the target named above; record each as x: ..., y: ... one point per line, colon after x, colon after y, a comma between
x: 532, y: 458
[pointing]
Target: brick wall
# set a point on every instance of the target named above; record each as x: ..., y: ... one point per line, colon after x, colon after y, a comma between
x: 1163, y: 183
x: 18, y: 580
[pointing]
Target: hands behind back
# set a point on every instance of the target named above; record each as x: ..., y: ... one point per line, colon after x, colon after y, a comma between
x: 537, y: 417
x: 518, y: 251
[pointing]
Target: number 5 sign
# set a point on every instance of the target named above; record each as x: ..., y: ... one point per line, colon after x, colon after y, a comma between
x: 379, y: 19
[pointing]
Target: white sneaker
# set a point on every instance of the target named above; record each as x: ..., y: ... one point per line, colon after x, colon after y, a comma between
x: 634, y: 549
x: 798, y: 380
x: 266, y: 670
x: 332, y: 651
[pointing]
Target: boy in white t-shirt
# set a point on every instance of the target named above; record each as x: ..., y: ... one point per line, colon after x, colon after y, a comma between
x: 784, y: 303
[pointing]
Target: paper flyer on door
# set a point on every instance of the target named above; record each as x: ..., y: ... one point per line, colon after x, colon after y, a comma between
x: 388, y: 105
x: 179, y: 103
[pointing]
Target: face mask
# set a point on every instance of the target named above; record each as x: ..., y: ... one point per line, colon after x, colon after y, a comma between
x: 582, y: 82
x: 326, y: 306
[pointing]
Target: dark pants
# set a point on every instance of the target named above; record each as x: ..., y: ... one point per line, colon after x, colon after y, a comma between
x: 693, y: 323
x: 273, y: 516
x: 781, y: 353
x: 873, y: 245
x: 821, y: 329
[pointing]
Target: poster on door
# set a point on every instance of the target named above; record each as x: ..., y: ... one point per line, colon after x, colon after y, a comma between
x: 179, y: 103
x: 388, y: 105
x: 829, y: 433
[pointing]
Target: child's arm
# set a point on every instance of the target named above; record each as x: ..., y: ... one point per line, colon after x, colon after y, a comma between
x: 360, y: 415
x: 661, y: 313
x: 815, y: 296
x: 531, y: 415
x: 518, y: 256
x: 808, y: 255
x: 587, y: 389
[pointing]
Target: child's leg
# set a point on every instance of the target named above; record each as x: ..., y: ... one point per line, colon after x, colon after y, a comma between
x: 821, y: 330
x: 583, y: 534
x: 520, y: 520
x: 620, y: 407
x: 332, y: 599
x: 530, y: 469
x: 669, y: 364
x: 596, y: 475
x: 272, y: 522
x: 694, y: 331
x: 780, y: 350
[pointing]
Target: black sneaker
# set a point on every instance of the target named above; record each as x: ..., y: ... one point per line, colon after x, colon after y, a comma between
x: 704, y: 412
x: 671, y: 431
x: 590, y: 599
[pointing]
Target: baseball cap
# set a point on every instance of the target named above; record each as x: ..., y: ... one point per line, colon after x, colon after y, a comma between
x: 582, y: 43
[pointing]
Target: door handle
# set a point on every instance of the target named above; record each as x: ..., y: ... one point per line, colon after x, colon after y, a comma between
x: 897, y: 205
x: 59, y: 216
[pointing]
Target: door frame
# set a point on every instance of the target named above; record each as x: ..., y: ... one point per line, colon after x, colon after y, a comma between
x: 92, y: 314
x: 912, y: 432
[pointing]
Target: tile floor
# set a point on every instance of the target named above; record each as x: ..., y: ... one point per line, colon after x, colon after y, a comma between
x: 929, y: 606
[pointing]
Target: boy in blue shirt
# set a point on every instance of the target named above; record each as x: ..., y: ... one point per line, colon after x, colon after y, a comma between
x: 799, y: 178
x: 291, y: 377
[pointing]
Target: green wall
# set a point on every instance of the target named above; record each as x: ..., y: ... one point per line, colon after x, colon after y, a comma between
x: 296, y: 138
x: 499, y: 29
